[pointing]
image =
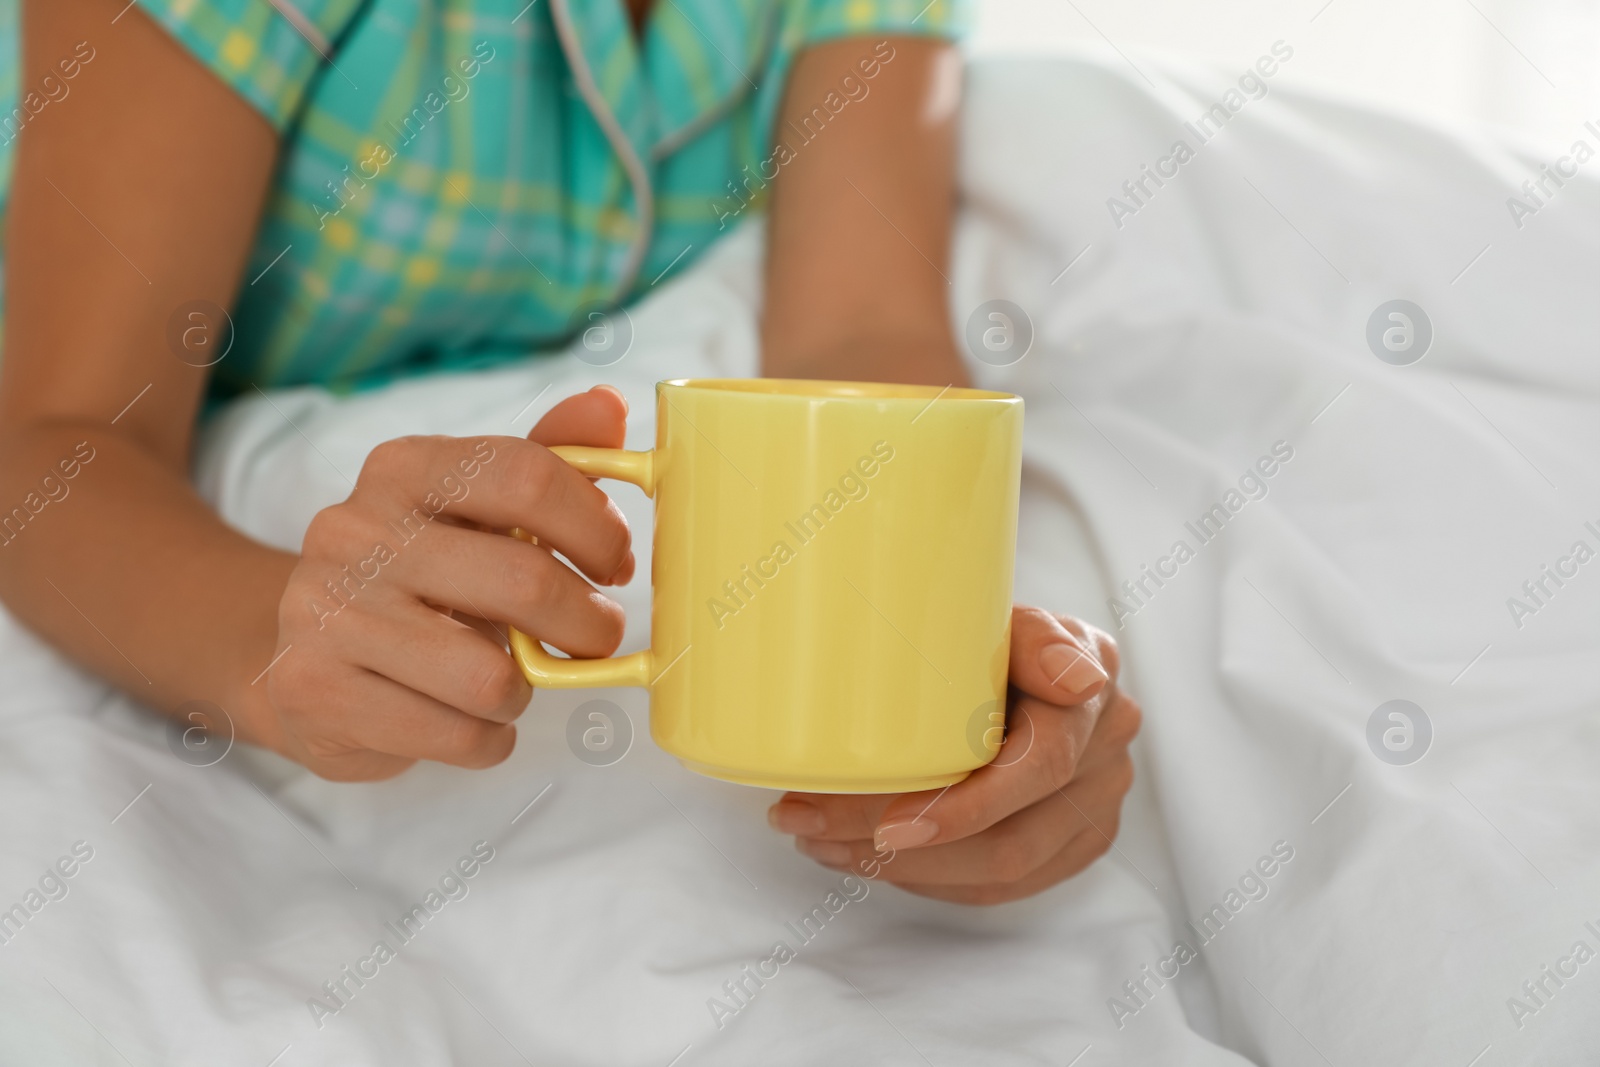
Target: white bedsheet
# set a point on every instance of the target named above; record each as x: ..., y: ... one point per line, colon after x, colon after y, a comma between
x: 1224, y: 316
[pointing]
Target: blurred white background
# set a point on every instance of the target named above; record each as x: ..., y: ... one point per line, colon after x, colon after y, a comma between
x: 1529, y: 65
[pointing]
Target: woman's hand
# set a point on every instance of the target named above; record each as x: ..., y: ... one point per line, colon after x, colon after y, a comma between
x: 385, y: 654
x: 1043, y: 810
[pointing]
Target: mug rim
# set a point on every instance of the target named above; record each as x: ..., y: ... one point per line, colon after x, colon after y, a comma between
x: 826, y: 389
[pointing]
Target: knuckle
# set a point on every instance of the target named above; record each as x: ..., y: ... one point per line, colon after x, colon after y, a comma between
x: 1106, y: 649
x: 335, y: 531
x: 1058, y: 756
x: 615, y: 538
x: 1073, y: 625
x: 1134, y: 715
x: 1124, y: 720
x: 1122, y: 777
x: 536, y: 475
x: 390, y: 458
x: 291, y: 681
x: 1102, y: 844
x: 1032, y: 617
x: 474, y: 743
x: 491, y: 684
x: 534, y: 585
x: 305, y: 692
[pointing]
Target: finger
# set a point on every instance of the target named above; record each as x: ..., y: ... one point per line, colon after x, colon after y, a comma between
x: 1007, y: 851
x: 436, y: 656
x: 1073, y: 858
x: 359, y: 709
x: 829, y: 816
x: 1040, y: 752
x: 851, y: 817
x: 1102, y: 644
x: 1051, y: 662
x: 598, y: 418
x: 1114, y: 731
x: 1101, y: 740
x: 501, y: 578
x: 1036, y: 755
x: 356, y: 765
x: 410, y: 481
x: 492, y: 631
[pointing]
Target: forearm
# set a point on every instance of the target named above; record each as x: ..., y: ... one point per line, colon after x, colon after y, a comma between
x: 926, y: 358
x: 858, y: 245
x: 114, y: 559
x: 125, y: 570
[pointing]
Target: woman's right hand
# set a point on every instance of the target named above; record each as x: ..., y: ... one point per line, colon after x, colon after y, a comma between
x: 389, y: 629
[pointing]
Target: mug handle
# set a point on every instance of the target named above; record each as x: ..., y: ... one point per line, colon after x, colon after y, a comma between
x: 551, y: 672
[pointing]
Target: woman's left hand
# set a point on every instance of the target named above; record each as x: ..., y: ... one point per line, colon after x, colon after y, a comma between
x: 1043, y: 810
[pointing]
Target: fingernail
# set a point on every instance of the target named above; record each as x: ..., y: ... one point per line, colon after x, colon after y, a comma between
x: 827, y: 853
x: 908, y: 834
x: 1070, y: 669
x: 796, y: 817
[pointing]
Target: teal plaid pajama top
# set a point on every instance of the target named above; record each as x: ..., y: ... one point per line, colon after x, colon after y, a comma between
x: 460, y: 180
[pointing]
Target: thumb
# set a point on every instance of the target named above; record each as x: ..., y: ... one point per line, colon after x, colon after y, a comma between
x: 1051, y: 663
x: 597, y: 418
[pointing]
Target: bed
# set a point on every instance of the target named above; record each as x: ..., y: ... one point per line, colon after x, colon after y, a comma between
x: 1347, y: 887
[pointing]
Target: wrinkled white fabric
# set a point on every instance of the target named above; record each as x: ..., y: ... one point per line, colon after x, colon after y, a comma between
x: 1224, y: 316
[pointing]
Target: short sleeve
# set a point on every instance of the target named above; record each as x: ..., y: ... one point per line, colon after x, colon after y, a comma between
x: 268, y: 51
x: 826, y: 19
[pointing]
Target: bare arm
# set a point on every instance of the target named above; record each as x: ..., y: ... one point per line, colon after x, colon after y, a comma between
x: 138, y: 192
x: 859, y: 234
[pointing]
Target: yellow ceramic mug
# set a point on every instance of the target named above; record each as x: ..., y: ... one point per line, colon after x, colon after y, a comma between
x: 832, y: 581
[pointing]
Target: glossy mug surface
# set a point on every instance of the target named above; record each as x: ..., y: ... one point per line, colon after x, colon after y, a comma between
x: 832, y: 571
